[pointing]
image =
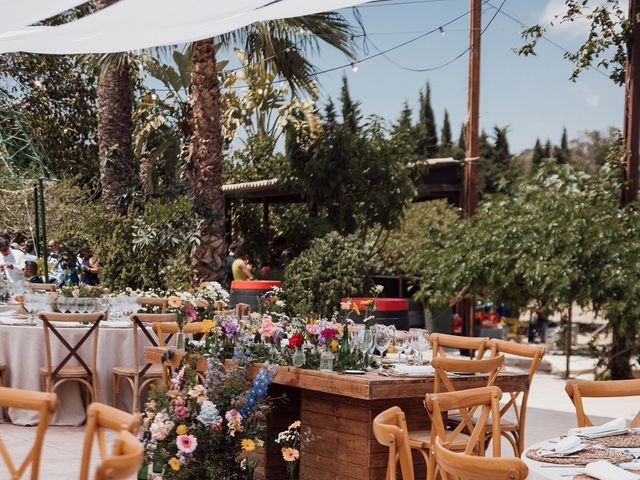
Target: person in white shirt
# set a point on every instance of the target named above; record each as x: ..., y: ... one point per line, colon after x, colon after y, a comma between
x: 11, y: 263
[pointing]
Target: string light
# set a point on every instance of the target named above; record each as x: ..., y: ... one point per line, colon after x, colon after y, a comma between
x: 441, y: 30
x: 354, y: 67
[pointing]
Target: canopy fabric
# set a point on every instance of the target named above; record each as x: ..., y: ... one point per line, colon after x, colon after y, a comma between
x: 16, y: 14
x: 137, y: 24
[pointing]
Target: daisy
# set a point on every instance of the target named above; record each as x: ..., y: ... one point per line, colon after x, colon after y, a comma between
x: 186, y: 443
x: 290, y: 454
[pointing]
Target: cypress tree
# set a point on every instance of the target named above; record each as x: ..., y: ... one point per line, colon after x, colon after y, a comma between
x: 350, y: 109
x: 502, y: 156
x: 446, y: 142
x: 404, y: 122
x: 562, y: 153
x: 538, y: 154
x: 427, y: 133
x: 548, y: 149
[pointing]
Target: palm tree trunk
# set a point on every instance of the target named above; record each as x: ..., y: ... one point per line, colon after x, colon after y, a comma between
x: 207, y: 259
x: 115, y: 129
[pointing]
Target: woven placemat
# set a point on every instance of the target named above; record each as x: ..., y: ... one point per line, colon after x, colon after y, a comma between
x: 628, y: 440
x: 583, y: 457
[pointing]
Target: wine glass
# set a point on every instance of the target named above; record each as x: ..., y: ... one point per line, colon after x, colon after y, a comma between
x: 383, y: 339
x: 421, y: 343
x: 400, y: 345
x: 31, y: 306
x: 367, y: 343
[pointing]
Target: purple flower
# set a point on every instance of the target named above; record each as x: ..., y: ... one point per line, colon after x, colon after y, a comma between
x: 230, y: 328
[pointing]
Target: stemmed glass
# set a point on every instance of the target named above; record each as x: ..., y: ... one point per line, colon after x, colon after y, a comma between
x: 400, y: 345
x: 31, y: 306
x: 421, y: 343
x: 383, y: 339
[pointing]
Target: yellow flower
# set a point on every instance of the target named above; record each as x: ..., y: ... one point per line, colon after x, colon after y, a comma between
x: 392, y: 349
x: 290, y: 454
x: 248, y: 445
x: 174, y: 301
x: 174, y: 464
x: 294, y: 425
x: 181, y: 430
x: 355, y: 307
x: 334, y: 346
x: 208, y: 325
x: 366, y: 303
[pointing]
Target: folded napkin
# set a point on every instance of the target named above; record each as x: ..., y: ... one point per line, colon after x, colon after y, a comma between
x: 603, y: 470
x: 414, y: 369
x: 617, y: 426
x: 14, y: 321
x: 566, y: 446
x: 69, y: 324
x: 9, y: 313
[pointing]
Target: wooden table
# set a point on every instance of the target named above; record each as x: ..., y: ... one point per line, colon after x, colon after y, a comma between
x: 337, y: 412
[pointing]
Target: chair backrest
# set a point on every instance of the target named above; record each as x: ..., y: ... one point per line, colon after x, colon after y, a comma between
x: 443, y: 365
x: 458, y: 466
x: 43, y: 403
x: 441, y: 340
x: 41, y: 287
x: 124, y: 461
x: 92, y: 332
x: 487, y: 399
x: 141, y: 322
x: 579, y: 389
x: 102, y: 417
x: 163, y: 303
x: 171, y: 328
x: 390, y: 430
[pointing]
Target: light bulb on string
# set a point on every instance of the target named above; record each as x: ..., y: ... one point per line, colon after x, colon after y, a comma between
x: 354, y: 67
x: 441, y: 30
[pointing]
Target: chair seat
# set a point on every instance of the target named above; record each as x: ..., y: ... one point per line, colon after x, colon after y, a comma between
x: 68, y: 371
x: 130, y: 371
x: 422, y: 439
x: 505, y: 423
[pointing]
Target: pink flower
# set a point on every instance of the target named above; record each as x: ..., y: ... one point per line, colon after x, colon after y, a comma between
x: 190, y: 313
x: 182, y: 411
x: 186, y: 443
x: 268, y: 328
x: 312, y: 328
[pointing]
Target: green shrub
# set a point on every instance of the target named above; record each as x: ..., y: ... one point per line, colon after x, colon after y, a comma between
x: 333, y: 267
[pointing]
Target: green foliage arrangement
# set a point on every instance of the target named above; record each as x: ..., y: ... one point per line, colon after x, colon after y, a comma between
x: 333, y: 267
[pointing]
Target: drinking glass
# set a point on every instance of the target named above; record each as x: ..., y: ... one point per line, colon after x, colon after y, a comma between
x: 31, y: 306
x: 421, y: 343
x: 399, y: 345
x: 368, y: 344
x: 383, y: 339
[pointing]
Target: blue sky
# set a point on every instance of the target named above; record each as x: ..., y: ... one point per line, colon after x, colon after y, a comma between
x: 532, y: 95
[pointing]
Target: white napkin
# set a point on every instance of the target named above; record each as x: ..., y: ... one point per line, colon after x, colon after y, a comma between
x: 414, y: 369
x: 69, y: 324
x: 14, y: 321
x: 617, y: 426
x: 603, y: 470
x: 8, y: 313
x: 565, y: 446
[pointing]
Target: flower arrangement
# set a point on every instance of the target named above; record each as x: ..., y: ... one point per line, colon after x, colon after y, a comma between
x: 184, y: 306
x: 209, y: 430
x: 289, y: 442
x: 272, y: 302
x: 80, y: 292
x: 214, y: 295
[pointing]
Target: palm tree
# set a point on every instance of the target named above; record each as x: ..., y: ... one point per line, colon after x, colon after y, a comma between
x: 115, y: 127
x: 278, y: 45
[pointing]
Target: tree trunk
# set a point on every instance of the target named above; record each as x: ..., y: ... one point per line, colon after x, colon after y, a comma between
x: 115, y: 129
x: 621, y: 351
x: 207, y: 259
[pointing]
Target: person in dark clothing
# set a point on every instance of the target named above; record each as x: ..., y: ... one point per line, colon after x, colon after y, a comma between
x: 90, y: 268
x: 228, y: 263
x: 31, y: 272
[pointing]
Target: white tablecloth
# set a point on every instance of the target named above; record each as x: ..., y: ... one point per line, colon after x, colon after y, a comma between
x: 22, y: 348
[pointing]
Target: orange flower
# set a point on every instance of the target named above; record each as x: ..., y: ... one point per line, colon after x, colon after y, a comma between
x: 334, y: 346
x: 174, y: 301
x: 290, y: 454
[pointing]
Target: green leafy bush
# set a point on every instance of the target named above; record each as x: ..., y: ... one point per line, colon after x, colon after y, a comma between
x: 333, y: 267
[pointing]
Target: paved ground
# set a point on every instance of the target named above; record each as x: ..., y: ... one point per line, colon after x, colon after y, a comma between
x: 550, y: 414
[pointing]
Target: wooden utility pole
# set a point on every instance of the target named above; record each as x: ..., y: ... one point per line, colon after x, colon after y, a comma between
x: 632, y: 106
x: 473, y: 135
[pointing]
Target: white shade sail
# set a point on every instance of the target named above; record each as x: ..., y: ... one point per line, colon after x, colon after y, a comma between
x: 136, y: 24
x: 20, y: 13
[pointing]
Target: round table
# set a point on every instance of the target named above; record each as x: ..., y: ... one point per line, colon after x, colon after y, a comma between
x: 22, y: 349
x: 548, y: 471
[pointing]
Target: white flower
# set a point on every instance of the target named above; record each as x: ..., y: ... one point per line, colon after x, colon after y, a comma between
x: 379, y: 288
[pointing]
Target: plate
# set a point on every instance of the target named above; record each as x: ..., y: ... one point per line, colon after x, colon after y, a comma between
x: 354, y: 372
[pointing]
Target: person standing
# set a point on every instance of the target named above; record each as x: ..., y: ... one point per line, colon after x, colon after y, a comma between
x: 56, y: 272
x: 228, y: 263
x: 90, y: 268
x: 30, y: 251
x: 12, y: 264
x: 241, y: 268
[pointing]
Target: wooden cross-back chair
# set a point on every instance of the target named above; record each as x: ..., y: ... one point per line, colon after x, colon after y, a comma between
x: 85, y: 375
x: 100, y: 418
x: 45, y: 404
x: 140, y: 376
x: 514, y: 430
x: 163, y: 303
x: 164, y: 331
x: 40, y: 287
x: 422, y: 440
x: 458, y: 466
x: 440, y: 341
x: 390, y: 430
x: 579, y: 389
x: 125, y: 459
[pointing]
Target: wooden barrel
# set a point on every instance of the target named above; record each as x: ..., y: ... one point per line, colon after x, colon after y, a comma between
x: 249, y: 291
x: 388, y: 311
